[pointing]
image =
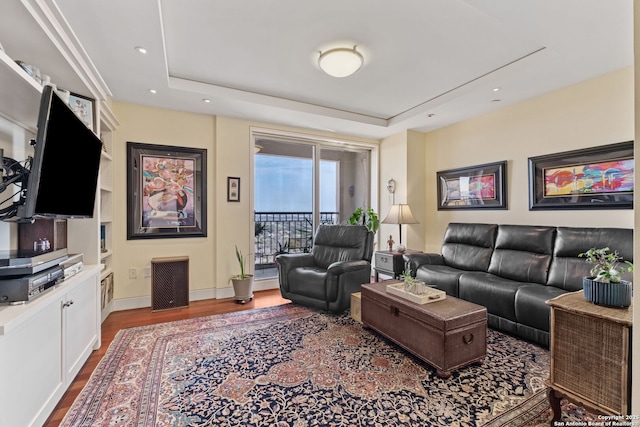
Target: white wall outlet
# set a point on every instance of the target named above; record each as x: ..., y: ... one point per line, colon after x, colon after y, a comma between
x: 147, y: 271
x: 133, y: 273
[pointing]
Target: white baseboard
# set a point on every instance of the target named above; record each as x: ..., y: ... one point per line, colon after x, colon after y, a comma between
x: 120, y: 304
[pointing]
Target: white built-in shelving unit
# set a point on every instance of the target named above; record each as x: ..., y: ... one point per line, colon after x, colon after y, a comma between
x: 44, y: 343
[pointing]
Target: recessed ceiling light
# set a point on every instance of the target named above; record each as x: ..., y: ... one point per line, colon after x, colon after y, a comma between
x: 496, y: 100
x: 141, y: 49
x: 153, y: 91
x: 431, y: 115
x: 207, y: 100
x: 496, y: 89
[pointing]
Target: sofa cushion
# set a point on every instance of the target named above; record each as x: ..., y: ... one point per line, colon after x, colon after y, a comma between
x: 442, y: 276
x: 567, y: 269
x: 469, y: 246
x: 523, y: 253
x: 495, y: 293
x: 531, y: 307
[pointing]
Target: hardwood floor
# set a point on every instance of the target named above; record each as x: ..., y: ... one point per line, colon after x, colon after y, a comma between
x: 144, y: 316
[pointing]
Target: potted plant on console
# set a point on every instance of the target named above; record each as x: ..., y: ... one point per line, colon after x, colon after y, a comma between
x: 605, y: 286
x: 243, y: 282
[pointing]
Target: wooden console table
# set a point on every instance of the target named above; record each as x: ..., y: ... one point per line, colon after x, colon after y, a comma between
x: 590, y: 355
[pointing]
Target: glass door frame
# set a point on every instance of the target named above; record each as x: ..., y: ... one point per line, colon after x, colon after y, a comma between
x: 317, y: 142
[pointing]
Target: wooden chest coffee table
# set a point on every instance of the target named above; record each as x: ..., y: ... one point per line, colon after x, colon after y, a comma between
x: 446, y: 334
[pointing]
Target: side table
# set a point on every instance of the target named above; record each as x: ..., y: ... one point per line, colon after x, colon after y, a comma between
x: 390, y: 263
x: 590, y: 355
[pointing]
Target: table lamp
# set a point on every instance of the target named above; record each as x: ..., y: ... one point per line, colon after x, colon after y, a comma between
x: 400, y: 214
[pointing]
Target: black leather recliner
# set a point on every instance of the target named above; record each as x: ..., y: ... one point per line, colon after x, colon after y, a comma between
x: 325, y: 278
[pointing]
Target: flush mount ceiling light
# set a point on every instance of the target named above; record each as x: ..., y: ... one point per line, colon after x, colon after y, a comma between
x: 341, y: 61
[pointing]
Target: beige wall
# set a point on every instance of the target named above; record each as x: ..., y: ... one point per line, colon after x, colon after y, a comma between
x: 596, y: 112
x: 592, y: 113
x: 164, y: 127
x: 393, y: 165
x: 229, y: 154
x: 402, y: 157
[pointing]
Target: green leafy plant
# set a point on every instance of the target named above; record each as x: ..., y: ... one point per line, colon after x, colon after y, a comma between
x: 241, y: 261
x: 608, y: 266
x: 367, y: 217
x: 410, y: 282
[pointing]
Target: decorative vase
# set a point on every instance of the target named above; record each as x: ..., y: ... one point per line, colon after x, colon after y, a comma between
x: 243, y: 289
x: 607, y: 294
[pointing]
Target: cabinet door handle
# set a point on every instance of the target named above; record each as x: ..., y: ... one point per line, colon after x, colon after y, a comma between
x: 395, y: 311
x: 467, y: 339
x: 67, y: 304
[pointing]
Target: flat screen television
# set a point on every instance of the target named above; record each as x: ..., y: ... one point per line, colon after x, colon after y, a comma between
x: 63, y: 177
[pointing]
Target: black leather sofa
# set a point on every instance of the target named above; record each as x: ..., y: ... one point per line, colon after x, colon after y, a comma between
x: 338, y: 264
x: 513, y: 269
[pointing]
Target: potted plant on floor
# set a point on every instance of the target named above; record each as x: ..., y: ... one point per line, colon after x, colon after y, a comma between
x: 605, y: 286
x: 243, y: 282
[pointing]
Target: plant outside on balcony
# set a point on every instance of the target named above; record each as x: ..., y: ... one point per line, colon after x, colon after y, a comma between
x: 283, y: 248
x: 243, y: 282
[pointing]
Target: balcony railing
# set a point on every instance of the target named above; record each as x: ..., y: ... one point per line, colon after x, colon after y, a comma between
x: 285, y: 232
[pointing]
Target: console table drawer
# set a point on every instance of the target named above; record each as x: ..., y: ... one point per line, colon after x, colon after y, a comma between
x: 389, y: 262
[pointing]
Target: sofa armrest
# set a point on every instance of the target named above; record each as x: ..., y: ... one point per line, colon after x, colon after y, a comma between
x: 414, y: 261
x: 287, y: 262
x: 340, y: 267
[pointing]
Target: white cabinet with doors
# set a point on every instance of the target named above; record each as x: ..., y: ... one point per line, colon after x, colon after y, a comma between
x: 43, y: 345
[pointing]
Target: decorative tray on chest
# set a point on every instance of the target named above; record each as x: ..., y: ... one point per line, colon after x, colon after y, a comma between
x: 423, y: 294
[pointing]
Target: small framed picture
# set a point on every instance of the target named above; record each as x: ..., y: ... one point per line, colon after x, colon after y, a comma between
x: 233, y: 189
x: 83, y: 107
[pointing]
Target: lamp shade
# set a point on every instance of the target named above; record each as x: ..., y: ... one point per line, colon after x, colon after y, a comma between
x: 340, y: 62
x: 400, y: 214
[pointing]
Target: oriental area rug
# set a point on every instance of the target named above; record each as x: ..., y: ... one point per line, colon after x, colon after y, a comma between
x: 293, y: 366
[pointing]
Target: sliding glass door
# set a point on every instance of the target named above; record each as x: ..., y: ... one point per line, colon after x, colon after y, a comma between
x: 298, y: 185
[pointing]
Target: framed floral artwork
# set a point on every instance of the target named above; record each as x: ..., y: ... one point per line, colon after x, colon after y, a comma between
x: 233, y: 189
x: 83, y: 107
x: 166, y: 190
x: 590, y: 178
x: 473, y: 187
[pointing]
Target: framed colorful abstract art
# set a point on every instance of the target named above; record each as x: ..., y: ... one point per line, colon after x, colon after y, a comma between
x: 166, y: 188
x: 591, y: 178
x: 474, y: 187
